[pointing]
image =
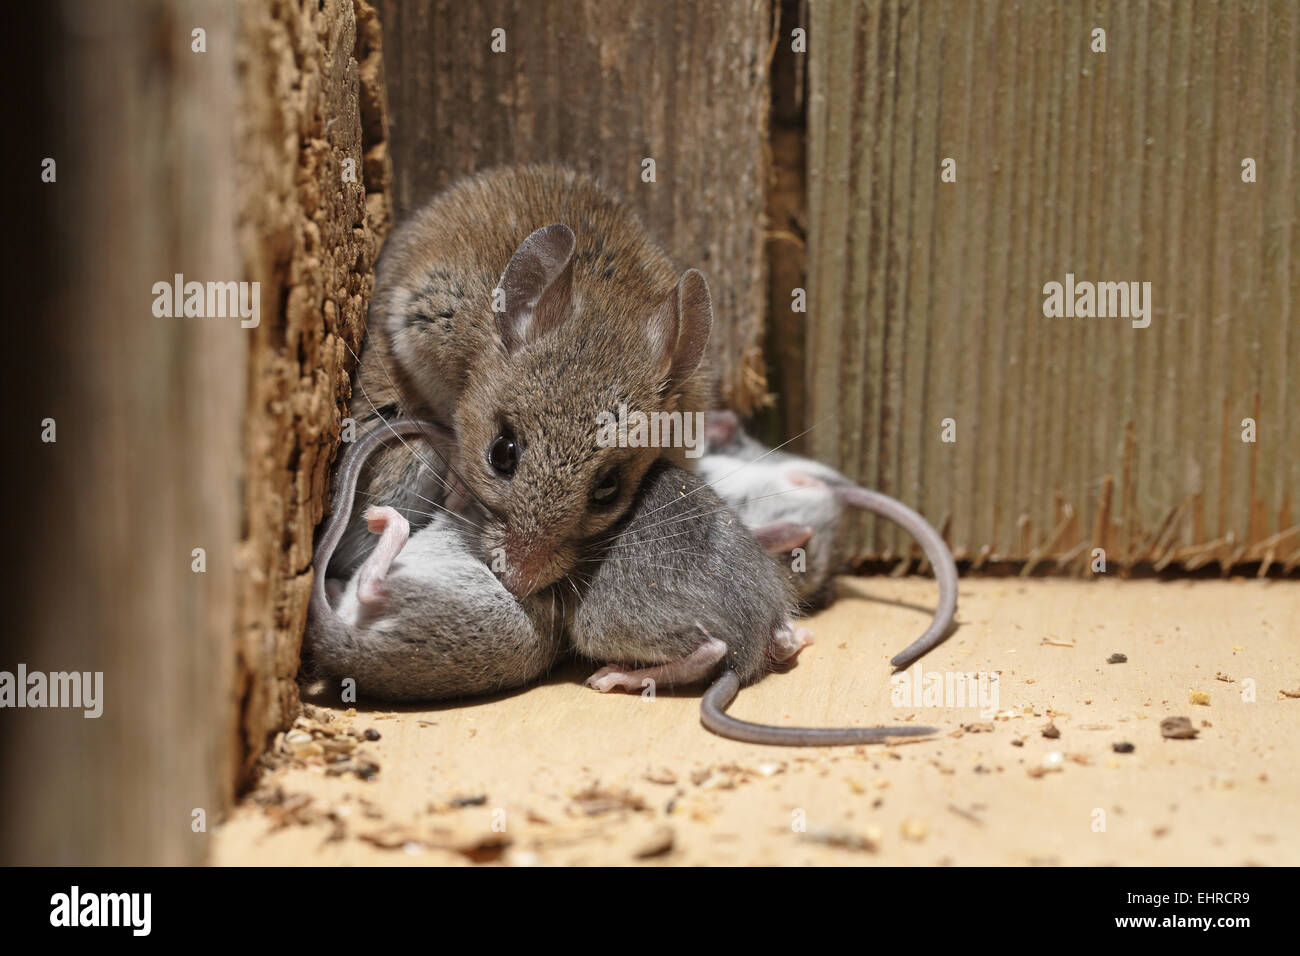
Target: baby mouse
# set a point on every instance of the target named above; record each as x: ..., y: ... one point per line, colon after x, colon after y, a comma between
x: 681, y: 592
x: 518, y: 307
x: 422, y: 618
x: 791, y: 502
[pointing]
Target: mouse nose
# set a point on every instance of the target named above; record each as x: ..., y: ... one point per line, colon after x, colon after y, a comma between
x: 523, y: 568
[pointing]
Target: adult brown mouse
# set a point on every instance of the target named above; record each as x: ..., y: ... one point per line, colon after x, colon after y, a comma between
x: 518, y: 307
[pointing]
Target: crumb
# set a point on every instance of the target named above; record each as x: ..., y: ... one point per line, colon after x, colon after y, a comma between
x: 1178, y: 728
x: 1051, y: 732
x: 843, y: 839
x: 1122, y: 747
x: 595, y: 800
x: 1198, y: 697
x: 965, y: 814
x: 1117, y: 659
x: 913, y: 830
x: 659, y: 842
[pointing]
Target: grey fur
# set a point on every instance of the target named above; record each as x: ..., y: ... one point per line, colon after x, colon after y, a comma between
x: 755, y: 480
x: 679, y: 567
x: 447, y: 629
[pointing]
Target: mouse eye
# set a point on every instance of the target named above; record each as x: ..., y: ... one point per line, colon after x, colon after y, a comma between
x: 606, y: 489
x: 503, y: 453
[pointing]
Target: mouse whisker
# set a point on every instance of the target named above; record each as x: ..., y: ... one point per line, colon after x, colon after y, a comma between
x: 673, y: 519
x: 429, y: 501
x: 374, y: 408
x: 710, y: 484
x: 630, y: 544
x: 615, y: 536
x: 635, y: 557
x: 443, y: 509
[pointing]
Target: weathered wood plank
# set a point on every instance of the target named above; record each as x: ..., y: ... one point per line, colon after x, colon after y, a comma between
x: 177, y: 433
x: 146, y: 460
x: 311, y: 101
x: 927, y: 296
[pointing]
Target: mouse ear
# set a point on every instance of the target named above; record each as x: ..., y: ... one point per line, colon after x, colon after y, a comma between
x: 679, y: 329
x: 721, y: 427
x: 782, y: 537
x: 536, y: 289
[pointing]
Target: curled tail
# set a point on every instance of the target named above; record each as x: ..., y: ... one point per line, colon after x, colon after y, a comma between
x: 723, y: 691
x: 936, y: 551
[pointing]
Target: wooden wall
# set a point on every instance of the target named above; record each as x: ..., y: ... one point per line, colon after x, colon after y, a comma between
x: 177, y: 433
x: 311, y: 100
x: 146, y: 461
x: 927, y: 297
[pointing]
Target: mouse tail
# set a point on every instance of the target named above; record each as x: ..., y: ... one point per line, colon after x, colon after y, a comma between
x: 936, y: 551
x: 713, y: 715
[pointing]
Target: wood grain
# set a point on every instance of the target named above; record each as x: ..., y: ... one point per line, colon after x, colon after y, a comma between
x: 311, y: 99
x: 927, y: 297
x: 146, y: 463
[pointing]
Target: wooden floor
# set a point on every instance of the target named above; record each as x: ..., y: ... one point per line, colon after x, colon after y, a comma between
x: 558, y: 774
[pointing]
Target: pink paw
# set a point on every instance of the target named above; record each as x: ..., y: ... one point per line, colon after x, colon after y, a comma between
x: 789, y: 641
x: 378, y: 518
x: 695, y: 666
x: 372, y: 592
x: 610, y: 678
x: 393, y: 531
